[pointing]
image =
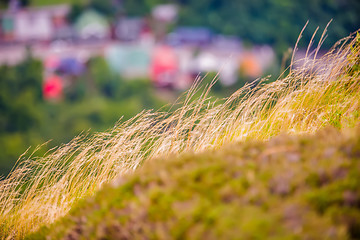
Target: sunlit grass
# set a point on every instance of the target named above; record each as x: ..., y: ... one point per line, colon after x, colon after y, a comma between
x: 323, y: 92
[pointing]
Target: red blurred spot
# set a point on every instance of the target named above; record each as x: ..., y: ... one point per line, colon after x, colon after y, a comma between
x: 53, y: 88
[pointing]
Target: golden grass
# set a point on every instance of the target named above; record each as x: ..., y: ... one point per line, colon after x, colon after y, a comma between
x: 323, y: 92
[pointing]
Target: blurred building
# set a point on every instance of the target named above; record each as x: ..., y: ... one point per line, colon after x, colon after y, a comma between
x: 165, y: 13
x: 129, y: 60
x: 91, y: 25
x: 32, y: 24
x: 254, y: 62
x: 164, y: 66
x: 132, y: 46
x: 193, y: 36
x: 129, y: 29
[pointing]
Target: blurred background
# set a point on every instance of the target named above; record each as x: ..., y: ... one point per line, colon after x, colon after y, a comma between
x: 72, y: 65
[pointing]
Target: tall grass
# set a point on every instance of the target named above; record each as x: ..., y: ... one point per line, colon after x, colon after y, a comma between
x: 321, y: 92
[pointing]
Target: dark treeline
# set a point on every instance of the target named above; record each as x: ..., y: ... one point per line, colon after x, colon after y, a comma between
x: 274, y: 22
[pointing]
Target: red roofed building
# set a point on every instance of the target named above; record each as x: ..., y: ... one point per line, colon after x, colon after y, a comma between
x: 164, y: 66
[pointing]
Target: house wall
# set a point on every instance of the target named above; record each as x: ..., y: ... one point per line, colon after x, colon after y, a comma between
x: 33, y: 26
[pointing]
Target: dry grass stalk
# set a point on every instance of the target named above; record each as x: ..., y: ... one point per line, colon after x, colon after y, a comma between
x: 322, y: 92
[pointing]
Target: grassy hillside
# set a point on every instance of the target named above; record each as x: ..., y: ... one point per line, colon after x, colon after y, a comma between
x: 290, y: 187
x: 323, y: 92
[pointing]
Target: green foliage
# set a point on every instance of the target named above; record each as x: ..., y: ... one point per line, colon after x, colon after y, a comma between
x: 267, y: 175
x: 95, y: 102
x: 140, y: 7
x: 287, y: 188
x: 20, y: 92
x: 273, y: 22
x: 20, y: 96
x: 52, y: 2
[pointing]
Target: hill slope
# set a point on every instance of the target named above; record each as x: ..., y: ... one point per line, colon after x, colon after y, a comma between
x: 323, y: 92
x: 290, y: 187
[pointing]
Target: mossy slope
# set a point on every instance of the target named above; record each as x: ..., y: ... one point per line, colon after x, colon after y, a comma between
x: 291, y: 187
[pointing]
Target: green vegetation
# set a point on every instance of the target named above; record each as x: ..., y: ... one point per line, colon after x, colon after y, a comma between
x: 227, y: 179
x: 93, y: 103
x: 258, y: 21
x: 20, y: 94
x: 291, y: 187
x: 27, y: 120
x: 322, y: 93
x: 52, y: 2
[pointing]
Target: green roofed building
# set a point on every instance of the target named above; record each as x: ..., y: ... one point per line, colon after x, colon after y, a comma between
x: 92, y: 25
x: 130, y: 61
